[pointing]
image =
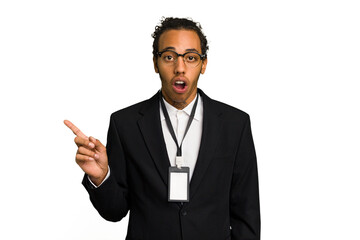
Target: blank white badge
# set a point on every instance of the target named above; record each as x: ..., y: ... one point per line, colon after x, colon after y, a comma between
x: 179, y: 184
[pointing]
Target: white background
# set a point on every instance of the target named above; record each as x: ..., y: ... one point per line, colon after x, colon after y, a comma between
x: 292, y: 65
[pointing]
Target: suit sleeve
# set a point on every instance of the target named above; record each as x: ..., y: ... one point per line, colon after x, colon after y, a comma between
x: 111, y: 198
x: 244, y: 196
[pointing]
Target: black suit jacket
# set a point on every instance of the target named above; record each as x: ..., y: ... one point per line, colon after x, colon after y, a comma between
x: 224, y: 196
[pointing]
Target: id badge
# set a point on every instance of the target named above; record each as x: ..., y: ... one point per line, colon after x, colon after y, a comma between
x: 178, y: 184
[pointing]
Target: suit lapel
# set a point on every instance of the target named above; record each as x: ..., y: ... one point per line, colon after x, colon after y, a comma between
x: 209, y: 139
x: 150, y: 127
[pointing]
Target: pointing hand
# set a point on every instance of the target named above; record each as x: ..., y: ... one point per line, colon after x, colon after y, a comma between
x: 91, y: 155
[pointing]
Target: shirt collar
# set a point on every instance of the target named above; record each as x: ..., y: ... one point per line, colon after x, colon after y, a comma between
x: 172, y: 110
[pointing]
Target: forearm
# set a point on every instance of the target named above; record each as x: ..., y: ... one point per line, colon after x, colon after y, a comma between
x: 109, y: 199
x: 245, y: 207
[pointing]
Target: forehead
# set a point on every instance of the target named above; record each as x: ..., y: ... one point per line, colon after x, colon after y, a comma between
x: 180, y: 40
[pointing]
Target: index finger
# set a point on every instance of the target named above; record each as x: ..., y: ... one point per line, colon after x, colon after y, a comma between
x: 75, y: 130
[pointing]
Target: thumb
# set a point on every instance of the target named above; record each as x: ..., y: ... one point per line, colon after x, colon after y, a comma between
x: 98, y: 145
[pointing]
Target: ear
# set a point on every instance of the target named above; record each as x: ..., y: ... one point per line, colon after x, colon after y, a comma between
x: 203, y: 66
x: 155, y: 65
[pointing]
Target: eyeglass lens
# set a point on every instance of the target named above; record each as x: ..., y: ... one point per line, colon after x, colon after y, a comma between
x: 190, y: 58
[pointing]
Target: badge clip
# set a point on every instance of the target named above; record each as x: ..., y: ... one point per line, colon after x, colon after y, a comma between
x: 179, y: 161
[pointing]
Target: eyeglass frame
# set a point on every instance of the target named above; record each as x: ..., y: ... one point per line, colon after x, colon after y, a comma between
x: 202, y: 56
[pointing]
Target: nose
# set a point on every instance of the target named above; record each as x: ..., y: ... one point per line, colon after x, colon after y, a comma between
x: 180, y: 65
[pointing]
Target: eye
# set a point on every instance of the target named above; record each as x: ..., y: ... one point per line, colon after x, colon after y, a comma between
x: 192, y: 57
x: 168, y: 56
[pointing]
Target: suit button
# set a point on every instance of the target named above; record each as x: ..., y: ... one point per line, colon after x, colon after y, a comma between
x: 184, y: 213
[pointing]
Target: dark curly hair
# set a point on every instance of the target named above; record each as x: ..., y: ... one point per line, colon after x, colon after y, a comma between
x: 178, y: 24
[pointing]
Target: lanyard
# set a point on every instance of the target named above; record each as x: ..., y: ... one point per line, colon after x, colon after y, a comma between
x: 170, y: 127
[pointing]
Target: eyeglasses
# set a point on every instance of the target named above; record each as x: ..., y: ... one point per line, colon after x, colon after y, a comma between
x: 191, y: 59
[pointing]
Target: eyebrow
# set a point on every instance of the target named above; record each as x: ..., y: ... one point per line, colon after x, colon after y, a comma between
x: 187, y: 50
x: 191, y: 50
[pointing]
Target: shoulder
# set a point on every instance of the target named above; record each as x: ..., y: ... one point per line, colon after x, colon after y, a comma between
x: 230, y: 110
x: 135, y: 111
x: 224, y: 110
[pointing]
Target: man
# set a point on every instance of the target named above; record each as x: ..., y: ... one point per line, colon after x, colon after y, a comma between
x: 182, y: 163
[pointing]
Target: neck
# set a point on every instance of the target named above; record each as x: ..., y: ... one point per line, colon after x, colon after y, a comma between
x: 179, y: 105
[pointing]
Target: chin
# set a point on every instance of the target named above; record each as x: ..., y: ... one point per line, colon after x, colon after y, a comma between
x: 178, y: 99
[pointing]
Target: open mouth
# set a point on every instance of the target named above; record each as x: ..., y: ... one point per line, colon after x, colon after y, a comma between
x: 181, y: 85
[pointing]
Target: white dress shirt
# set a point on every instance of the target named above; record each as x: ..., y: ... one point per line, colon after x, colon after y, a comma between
x: 191, y: 143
